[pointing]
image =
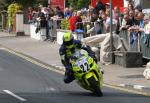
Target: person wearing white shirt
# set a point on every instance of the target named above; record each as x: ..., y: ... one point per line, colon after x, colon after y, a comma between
x: 146, y: 28
x: 147, y: 25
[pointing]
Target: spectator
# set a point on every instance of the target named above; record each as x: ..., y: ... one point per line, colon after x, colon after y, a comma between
x: 130, y: 7
x: 126, y: 11
x: 146, y: 34
x: 48, y: 25
x: 106, y: 24
x: 94, y: 17
x: 58, y: 12
x: 97, y: 23
x: 101, y: 12
x: 99, y: 6
x: 116, y: 16
x: 30, y: 16
x: 67, y: 13
x: 107, y: 6
x: 41, y: 15
x: 78, y: 21
x: 134, y: 31
x: 41, y: 20
x: 46, y: 13
x: 131, y: 15
x: 73, y: 20
x: 51, y: 11
x: 107, y: 12
x: 146, y: 28
x: 71, y: 10
x: 136, y: 11
x: 141, y: 20
x: 126, y: 23
x: 138, y: 18
x: 104, y: 18
x: 96, y: 27
x: 116, y: 13
x: 131, y: 19
x: 34, y: 15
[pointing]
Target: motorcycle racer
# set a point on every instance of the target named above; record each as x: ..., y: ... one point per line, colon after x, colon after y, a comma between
x: 69, y: 46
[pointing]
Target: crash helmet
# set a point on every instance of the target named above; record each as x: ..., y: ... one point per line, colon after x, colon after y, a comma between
x: 68, y: 39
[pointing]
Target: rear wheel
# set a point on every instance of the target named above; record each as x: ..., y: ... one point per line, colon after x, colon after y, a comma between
x: 96, y: 89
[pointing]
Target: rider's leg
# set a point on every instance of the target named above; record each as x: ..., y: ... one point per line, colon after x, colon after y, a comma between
x: 69, y: 76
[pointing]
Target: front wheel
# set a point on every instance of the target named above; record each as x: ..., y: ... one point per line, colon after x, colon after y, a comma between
x: 96, y: 88
x: 98, y: 91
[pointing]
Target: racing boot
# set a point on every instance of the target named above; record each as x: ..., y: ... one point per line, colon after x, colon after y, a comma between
x: 69, y: 77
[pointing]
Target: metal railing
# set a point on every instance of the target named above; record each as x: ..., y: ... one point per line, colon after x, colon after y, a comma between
x: 139, y: 44
x: 145, y: 45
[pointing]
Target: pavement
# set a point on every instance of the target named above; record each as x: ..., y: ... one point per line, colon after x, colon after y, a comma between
x: 46, y: 52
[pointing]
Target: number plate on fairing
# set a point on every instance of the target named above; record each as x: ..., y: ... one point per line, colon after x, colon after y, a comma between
x: 83, y: 64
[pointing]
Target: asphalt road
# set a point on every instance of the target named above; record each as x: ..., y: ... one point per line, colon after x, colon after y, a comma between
x: 22, y: 81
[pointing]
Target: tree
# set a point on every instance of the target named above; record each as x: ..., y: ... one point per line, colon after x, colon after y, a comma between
x: 24, y: 2
x: 78, y: 4
x: 82, y: 3
x: 43, y: 2
x: 3, y: 4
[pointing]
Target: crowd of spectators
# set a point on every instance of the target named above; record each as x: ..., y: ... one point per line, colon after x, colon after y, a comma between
x: 42, y: 18
x: 96, y: 20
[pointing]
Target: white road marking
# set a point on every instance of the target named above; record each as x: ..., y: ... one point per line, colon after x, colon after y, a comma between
x: 138, y: 86
x: 1, y: 48
x: 122, y: 85
x: 14, y: 95
x: 50, y: 89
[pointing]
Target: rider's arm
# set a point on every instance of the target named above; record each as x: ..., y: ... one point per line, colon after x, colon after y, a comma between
x: 85, y: 47
x: 90, y: 52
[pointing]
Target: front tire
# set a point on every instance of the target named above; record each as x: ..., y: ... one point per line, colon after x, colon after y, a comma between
x: 96, y: 89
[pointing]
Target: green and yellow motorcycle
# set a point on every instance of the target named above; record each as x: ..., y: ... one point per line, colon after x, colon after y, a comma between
x: 86, y: 72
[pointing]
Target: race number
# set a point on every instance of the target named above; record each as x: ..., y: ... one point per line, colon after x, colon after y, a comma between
x: 83, y: 64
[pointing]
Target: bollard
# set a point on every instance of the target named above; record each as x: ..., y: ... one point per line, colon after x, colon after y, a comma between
x: 19, y: 24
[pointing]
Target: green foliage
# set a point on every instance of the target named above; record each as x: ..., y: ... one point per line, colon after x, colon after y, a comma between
x: 78, y: 4
x: 43, y: 2
x: 25, y: 3
x: 65, y: 24
x: 12, y: 9
x: 3, y: 5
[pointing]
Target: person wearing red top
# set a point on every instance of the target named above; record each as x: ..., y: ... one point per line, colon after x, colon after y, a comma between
x: 30, y: 15
x: 76, y: 21
x: 72, y: 23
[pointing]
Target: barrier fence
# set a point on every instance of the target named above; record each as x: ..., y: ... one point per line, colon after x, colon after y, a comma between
x: 145, y: 45
x: 139, y: 42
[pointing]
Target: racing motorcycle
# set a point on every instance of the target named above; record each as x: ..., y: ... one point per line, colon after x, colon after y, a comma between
x: 86, y: 72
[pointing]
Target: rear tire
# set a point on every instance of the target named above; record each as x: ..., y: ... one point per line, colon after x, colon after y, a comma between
x: 96, y: 89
